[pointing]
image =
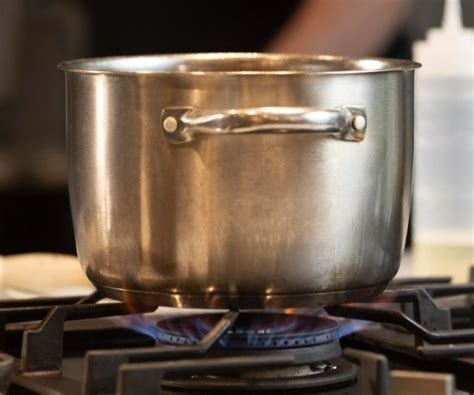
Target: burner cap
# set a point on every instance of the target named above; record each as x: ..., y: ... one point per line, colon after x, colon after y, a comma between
x: 255, y: 330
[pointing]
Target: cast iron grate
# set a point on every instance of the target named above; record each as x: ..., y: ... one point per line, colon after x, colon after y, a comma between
x: 442, y: 335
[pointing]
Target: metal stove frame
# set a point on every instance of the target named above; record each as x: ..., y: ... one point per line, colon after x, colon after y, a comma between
x: 408, y: 304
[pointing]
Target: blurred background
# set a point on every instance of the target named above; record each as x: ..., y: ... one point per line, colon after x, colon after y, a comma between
x: 35, y: 35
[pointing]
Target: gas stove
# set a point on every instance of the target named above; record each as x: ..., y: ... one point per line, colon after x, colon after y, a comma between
x: 417, y: 337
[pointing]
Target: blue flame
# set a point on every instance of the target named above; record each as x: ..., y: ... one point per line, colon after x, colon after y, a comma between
x: 349, y: 326
x: 281, y: 333
x: 140, y: 324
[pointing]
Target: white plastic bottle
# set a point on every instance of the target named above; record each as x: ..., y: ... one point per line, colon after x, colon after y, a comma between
x: 443, y: 201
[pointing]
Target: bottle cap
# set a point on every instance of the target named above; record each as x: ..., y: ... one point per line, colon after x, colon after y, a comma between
x: 449, y: 50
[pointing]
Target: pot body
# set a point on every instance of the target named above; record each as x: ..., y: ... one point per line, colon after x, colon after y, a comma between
x: 273, y: 217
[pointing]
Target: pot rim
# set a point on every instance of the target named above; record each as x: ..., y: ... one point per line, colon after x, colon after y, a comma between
x: 235, y: 64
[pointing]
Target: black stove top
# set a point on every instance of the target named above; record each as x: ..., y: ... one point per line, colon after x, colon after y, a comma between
x: 418, y: 334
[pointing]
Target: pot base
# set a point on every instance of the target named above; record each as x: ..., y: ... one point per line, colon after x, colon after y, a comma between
x: 235, y: 302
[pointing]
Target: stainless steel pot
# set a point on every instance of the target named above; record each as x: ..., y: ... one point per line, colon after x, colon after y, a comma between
x: 240, y: 180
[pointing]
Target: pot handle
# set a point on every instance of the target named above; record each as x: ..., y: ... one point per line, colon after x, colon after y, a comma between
x: 185, y: 124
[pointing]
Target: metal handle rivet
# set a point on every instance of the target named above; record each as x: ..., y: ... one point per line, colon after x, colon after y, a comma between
x: 359, y: 122
x: 170, y: 124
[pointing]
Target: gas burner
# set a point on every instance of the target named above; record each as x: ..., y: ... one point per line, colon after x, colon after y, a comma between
x: 253, y: 330
x: 311, y: 341
x: 321, y: 377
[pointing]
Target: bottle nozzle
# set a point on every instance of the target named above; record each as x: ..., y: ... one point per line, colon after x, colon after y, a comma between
x: 452, y: 15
